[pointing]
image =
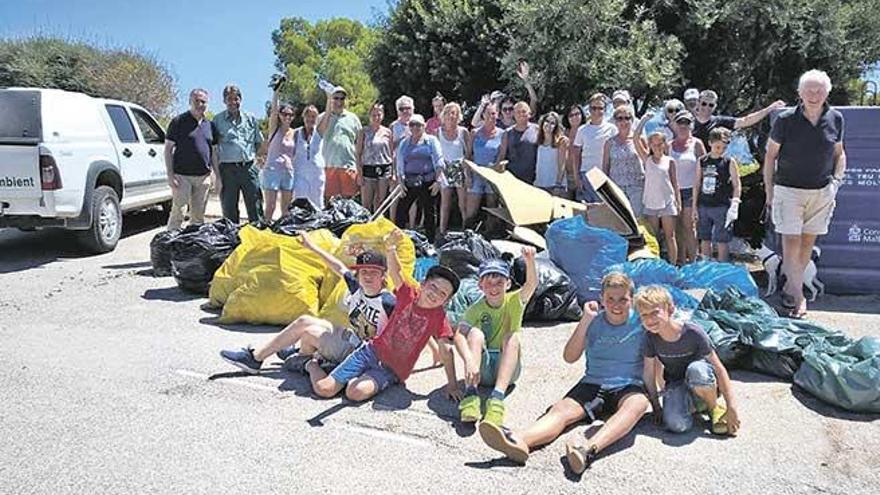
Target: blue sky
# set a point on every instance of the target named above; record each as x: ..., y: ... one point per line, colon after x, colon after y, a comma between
x: 204, y: 43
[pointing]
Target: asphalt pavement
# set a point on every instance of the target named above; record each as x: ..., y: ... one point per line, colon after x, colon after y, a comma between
x: 111, y: 383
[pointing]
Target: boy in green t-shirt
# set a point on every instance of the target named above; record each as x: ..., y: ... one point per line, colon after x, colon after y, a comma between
x: 488, y: 337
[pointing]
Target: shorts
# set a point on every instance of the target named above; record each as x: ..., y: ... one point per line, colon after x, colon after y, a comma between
x: 802, y: 211
x: 687, y: 197
x: 376, y: 172
x: 670, y: 210
x: 479, y: 185
x: 586, y: 192
x: 710, y: 224
x: 363, y: 362
x: 340, y: 182
x: 489, y: 362
x: 337, y: 344
x: 600, y: 402
x: 276, y: 179
x: 679, y: 401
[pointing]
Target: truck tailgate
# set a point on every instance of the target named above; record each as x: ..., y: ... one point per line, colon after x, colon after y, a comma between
x: 19, y: 172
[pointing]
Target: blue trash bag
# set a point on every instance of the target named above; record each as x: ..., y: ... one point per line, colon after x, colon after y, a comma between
x: 717, y: 277
x: 583, y: 252
x: 682, y: 299
x: 647, y: 271
x: 739, y: 150
x: 420, y: 271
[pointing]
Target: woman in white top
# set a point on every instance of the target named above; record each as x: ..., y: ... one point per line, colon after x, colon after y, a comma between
x: 374, y: 156
x: 455, y: 145
x: 276, y: 177
x: 662, y: 199
x: 308, y: 159
x: 552, y: 155
x: 685, y: 150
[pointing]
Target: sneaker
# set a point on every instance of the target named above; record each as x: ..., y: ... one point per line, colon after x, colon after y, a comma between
x: 469, y: 407
x: 285, y: 353
x: 579, y: 457
x: 242, y: 358
x: 297, y: 363
x: 502, y: 440
x: 719, y: 421
x: 495, y: 412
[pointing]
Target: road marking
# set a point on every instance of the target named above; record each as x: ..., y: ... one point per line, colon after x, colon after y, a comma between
x: 241, y: 383
x: 385, y: 435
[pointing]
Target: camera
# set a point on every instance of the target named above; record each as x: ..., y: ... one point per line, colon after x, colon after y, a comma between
x: 277, y: 81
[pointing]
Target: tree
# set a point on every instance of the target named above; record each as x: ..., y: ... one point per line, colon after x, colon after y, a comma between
x: 752, y: 51
x: 117, y: 73
x: 578, y: 47
x: 335, y: 49
x: 451, y: 46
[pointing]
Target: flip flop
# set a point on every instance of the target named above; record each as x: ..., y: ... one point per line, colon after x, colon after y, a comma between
x: 797, y: 313
x: 501, y: 439
x: 788, y: 301
x: 579, y: 457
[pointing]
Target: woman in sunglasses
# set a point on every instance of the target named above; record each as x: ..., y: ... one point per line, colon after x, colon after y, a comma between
x: 574, y: 118
x: 276, y: 177
x: 685, y: 150
x: 624, y: 155
x: 374, y: 159
x: 670, y: 109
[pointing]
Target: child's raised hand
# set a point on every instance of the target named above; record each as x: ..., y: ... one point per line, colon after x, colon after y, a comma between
x: 394, y: 238
x: 307, y: 241
x: 591, y: 309
x: 647, y: 116
x: 528, y: 253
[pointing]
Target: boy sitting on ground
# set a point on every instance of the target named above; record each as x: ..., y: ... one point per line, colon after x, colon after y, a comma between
x: 391, y: 356
x: 369, y: 306
x: 691, y: 368
x: 611, y: 340
x: 488, y: 337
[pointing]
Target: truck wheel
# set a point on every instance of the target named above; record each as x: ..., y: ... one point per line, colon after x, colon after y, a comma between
x: 106, y: 227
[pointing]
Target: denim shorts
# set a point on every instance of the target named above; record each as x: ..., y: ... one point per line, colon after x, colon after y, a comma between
x: 276, y: 179
x: 479, y: 185
x: 363, y: 362
x: 679, y: 400
x: 489, y: 362
x: 710, y: 224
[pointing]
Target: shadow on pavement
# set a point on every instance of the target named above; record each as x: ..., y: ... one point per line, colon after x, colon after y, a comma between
x: 128, y: 266
x: 829, y: 411
x: 172, y: 294
x: 25, y: 250
x: 238, y: 327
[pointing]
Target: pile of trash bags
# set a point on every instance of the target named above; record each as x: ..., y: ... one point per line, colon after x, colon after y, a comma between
x: 193, y: 254
x: 462, y: 252
x: 555, y: 298
x: 748, y: 334
x: 338, y: 215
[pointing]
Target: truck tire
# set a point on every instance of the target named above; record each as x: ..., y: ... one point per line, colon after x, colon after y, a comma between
x: 106, y: 228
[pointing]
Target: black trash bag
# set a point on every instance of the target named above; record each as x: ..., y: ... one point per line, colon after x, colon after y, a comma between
x: 555, y: 298
x: 160, y: 252
x: 424, y: 249
x: 337, y: 216
x: 199, y: 250
x: 463, y: 252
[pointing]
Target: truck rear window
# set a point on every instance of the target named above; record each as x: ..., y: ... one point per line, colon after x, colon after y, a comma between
x: 21, y: 122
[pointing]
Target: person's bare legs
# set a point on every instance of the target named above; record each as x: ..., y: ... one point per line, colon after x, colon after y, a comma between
x: 709, y: 395
x: 361, y: 388
x: 706, y: 249
x: 323, y: 384
x: 269, y: 200
x: 305, y: 328
x: 723, y: 251
x: 473, y: 206
x: 436, y: 357
x: 445, y: 206
x: 461, y: 197
x: 791, y: 266
x: 509, y: 359
x: 548, y: 427
x: 630, y: 410
x: 368, y: 195
x: 671, y: 239
x: 286, y: 199
x: 381, y: 193
x: 689, y: 236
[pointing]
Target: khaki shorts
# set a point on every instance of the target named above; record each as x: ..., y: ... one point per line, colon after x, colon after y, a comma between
x: 337, y: 344
x: 802, y: 211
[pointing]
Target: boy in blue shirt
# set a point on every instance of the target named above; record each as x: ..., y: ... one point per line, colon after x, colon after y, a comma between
x: 612, y: 342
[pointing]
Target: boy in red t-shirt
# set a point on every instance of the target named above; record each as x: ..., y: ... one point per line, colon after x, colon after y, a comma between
x: 390, y: 357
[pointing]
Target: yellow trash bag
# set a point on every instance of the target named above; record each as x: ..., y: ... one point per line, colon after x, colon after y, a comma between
x: 357, y: 239
x: 652, y: 247
x: 276, y: 281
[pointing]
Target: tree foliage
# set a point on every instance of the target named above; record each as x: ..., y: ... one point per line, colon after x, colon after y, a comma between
x: 122, y: 74
x: 335, y: 49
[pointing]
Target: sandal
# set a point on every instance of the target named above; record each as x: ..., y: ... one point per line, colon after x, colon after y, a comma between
x: 579, y: 457
x: 502, y: 440
x: 797, y: 313
x: 788, y: 301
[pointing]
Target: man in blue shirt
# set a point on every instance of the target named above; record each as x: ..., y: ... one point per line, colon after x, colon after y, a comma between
x: 240, y: 138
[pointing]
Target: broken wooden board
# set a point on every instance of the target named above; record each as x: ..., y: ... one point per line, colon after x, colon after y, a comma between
x: 619, y: 216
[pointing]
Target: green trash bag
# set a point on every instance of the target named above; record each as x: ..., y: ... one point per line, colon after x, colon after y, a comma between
x: 468, y: 293
x: 847, y: 376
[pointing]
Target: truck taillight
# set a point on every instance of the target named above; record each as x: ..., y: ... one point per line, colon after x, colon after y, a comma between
x: 49, y: 175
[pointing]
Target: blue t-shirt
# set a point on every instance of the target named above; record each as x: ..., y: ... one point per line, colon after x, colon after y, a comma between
x: 193, y: 140
x: 614, y: 353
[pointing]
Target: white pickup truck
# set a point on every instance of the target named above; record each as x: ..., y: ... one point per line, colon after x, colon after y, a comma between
x: 73, y: 161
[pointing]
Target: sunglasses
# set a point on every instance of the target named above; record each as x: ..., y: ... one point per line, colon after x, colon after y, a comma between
x: 596, y: 109
x: 707, y: 104
x: 507, y: 109
x: 674, y: 110
x: 574, y: 114
x: 416, y: 124
x: 403, y: 109
x: 339, y: 98
x: 623, y: 118
x: 286, y: 114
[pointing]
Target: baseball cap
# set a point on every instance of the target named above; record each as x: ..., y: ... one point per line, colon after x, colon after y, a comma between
x: 417, y: 119
x: 683, y: 115
x: 708, y: 95
x: 370, y: 259
x: 494, y: 266
x: 621, y: 94
x: 497, y: 95
x: 692, y: 94
x: 440, y: 271
x: 340, y: 89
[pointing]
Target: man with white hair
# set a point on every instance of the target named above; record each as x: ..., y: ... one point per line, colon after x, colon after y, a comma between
x: 803, y: 170
x: 705, y: 121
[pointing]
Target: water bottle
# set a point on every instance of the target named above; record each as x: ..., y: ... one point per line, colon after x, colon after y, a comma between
x: 325, y: 85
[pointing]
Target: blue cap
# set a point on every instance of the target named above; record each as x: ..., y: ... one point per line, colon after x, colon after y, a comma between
x: 494, y: 266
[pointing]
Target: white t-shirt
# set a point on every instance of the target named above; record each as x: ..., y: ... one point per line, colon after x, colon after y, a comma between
x: 591, y: 139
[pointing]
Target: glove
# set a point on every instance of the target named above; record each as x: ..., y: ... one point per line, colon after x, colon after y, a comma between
x: 732, y: 213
